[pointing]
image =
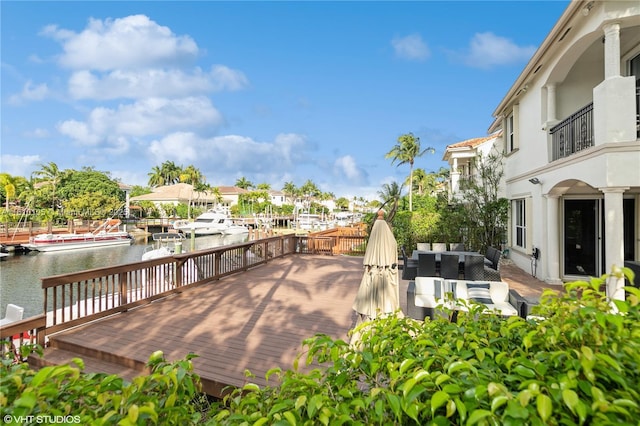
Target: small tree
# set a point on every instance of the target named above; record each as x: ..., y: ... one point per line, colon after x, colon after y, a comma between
x: 485, y: 213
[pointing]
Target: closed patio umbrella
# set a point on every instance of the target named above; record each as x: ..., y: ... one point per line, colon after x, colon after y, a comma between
x: 378, y: 293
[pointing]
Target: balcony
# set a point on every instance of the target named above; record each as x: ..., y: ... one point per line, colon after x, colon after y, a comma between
x: 573, y: 134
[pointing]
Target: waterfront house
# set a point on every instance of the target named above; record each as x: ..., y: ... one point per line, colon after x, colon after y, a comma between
x: 462, y: 158
x: 571, y: 139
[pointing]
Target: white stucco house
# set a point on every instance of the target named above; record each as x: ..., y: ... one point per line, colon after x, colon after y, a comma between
x: 462, y: 158
x: 571, y: 139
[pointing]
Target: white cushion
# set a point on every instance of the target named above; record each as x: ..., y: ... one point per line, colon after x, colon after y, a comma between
x: 428, y: 292
x: 498, y: 291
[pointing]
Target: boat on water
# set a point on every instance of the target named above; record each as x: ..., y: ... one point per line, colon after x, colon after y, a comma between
x: 234, y: 228
x: 164, y: 245
x: 211, y: 222
x: 108, y: 234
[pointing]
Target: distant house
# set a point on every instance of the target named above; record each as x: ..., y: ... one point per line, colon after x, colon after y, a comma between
x: 571, y: 138
x: 278, y: 198
x: 463, y: 157
x: 184, y: 193
x: 230, y: 195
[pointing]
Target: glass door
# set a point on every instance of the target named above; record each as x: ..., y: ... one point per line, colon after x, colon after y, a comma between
x: 581, y: 237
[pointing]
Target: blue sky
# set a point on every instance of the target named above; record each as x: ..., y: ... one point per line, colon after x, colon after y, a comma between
x: 270, y: 91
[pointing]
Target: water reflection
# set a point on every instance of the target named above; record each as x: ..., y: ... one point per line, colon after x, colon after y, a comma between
x: 20, y: 274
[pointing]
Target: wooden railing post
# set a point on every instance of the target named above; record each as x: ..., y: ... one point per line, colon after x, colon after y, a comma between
x: 123, y: 286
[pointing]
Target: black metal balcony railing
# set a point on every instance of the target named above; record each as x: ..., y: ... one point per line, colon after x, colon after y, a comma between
x: 573, y: 134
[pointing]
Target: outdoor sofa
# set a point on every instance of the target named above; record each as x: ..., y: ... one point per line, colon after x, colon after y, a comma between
x: 426, y: 294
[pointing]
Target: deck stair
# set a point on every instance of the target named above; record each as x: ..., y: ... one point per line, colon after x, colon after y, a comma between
x: 64, y: 347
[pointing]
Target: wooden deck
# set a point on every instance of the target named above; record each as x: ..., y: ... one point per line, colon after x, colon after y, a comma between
x: 253, y: 321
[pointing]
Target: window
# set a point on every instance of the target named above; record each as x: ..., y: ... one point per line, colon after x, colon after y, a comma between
x: 510, y: 139
x: 519, y: 223
x: 510, y: 126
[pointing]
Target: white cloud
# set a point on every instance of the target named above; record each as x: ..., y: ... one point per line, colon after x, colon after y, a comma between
x: 487, y: 50
x: 148, y: 117
x: 127, y: 43
x: 411, y: 47
x: 137, y: 84
x: 30, y: 92
x: 225, y: 78
x: 223, y: 156
x: 346, y: 167
x: 19, y: 165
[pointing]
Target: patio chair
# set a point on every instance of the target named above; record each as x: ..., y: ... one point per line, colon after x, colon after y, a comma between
x: 456, y: 246
x: 426, y: 265
x: 439, y: 246
x: 424, y: 296
x: 14, y: 313
x: 474, y: 267
x: 449, y: 266
x: 409, y: 266
x: 424, y: 246
x: 492, y: 268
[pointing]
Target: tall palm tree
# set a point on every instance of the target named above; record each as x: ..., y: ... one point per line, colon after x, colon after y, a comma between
x: 390, y: 194
x: 243, y: 183
x: 51, y: 174
x: 191, y: 175
x: 155, y: 177
x: 290, y: 190
x: 405, y: 151
x: 170, y: 172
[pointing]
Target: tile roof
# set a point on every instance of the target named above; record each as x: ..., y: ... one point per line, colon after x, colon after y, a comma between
x: 472, y: 143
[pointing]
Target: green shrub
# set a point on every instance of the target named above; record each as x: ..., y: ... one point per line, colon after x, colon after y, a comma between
x: 62, y: 394
x: 578, y: 363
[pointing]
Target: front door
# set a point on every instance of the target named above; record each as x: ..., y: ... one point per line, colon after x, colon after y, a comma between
x: 581, y: 237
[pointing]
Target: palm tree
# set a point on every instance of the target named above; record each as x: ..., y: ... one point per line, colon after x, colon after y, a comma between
x: 419, y: 181
x: 290, y: 190
x: 155, y: 177
x: 390, y: 194
x: 244, y: 183
x: 170, y: 172
x: 51, y: 174
x: 406, y: 150
x: 191, y: 175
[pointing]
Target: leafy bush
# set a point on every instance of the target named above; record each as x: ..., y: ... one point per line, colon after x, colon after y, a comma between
x: 166, y: 396
x: 577, y: 363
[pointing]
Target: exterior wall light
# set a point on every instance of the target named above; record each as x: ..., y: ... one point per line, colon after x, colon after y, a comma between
x: 535, y: 181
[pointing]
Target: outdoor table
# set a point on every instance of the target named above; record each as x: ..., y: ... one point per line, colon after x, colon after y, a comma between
x: 438, y: 254
x: 461, y: 254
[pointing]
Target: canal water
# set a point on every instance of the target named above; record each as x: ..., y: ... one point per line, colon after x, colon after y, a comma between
x: 20, y: 273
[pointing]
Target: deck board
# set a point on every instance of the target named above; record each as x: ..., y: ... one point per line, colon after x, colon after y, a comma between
x: 252, y: 321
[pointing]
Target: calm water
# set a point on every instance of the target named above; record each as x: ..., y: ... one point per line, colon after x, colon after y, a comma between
x: 20, y: 273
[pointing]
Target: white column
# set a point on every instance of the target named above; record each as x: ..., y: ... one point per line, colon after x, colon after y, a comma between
x: 614, y: 110
x: 611, y: 50
x: 614, y: 239
x: 553, y: 240
x: 455, y: 179
x: 551, y: 102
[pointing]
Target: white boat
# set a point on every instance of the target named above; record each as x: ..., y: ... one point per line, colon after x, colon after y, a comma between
x: 308, y: 221
x: 106, y: 235
x: 164, y: 245
x: 234, y: 228
x: 209, y: 223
